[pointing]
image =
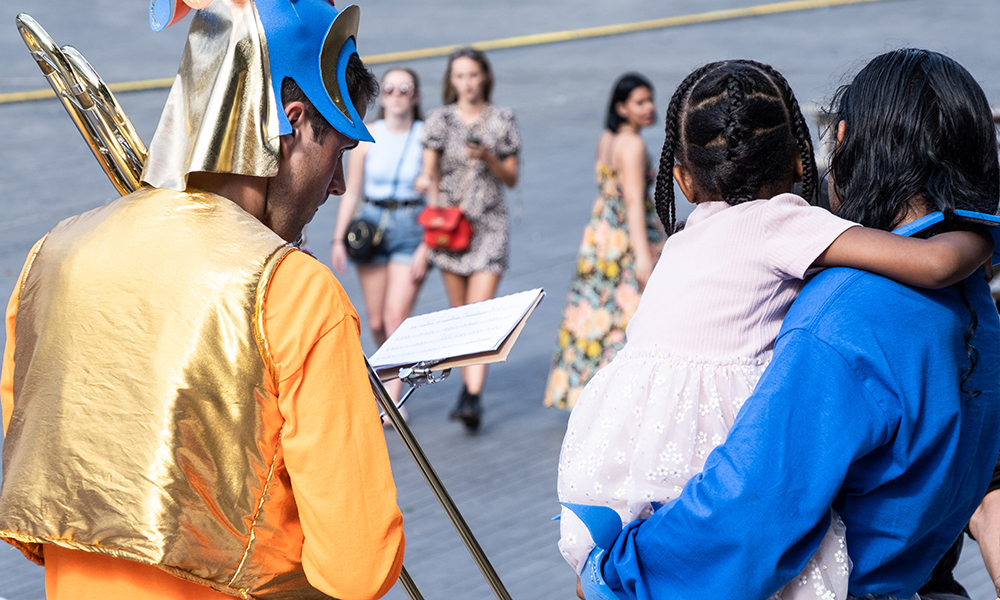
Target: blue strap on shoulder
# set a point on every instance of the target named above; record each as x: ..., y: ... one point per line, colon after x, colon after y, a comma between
x: 992, y: 223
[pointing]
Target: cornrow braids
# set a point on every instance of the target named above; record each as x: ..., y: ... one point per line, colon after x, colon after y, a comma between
x: 663, y: 195
x: 736, y: 189
x: 803, y: 140
x: 737, y: 128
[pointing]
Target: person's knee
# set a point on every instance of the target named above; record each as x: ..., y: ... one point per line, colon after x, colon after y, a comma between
x: 394, y: 316
x: 377, y: 325
x: 482, y: 286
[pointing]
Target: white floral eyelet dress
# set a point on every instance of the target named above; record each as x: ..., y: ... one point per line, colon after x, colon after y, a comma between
x: 696, y: 346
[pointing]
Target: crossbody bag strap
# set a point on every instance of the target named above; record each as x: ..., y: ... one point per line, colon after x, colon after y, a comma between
x: 402, y: 157
x: 399, y: 167
x: 384, y: 219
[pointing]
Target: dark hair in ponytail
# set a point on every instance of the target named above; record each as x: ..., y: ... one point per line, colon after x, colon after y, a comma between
x: 738, y: 128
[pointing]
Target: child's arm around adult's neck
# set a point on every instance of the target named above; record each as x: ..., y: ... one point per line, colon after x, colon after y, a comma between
x: 937, y: 262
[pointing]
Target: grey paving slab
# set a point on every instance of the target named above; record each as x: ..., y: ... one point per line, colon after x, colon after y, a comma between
x: 502, y: 479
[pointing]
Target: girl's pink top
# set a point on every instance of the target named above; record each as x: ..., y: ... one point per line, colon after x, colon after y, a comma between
x: 696, y: 346
x: 724, y: 283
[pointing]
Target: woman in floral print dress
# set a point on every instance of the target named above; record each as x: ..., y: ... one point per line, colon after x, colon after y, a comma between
x: 620, y: 246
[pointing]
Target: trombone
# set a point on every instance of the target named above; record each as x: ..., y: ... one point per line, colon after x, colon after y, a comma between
x: 121, y: 153
x: 91, y: 105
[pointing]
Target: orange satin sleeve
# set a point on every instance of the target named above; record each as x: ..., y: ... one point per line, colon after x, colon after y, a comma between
x: 334, y: 450
x: 334, y: 446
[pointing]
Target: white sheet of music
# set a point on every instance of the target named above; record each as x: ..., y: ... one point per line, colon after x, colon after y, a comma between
x: 469, y: 329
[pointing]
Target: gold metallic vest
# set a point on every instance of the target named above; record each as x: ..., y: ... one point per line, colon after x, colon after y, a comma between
x: 142, y: 427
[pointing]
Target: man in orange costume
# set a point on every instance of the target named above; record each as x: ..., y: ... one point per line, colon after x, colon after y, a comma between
x: 186, y: 407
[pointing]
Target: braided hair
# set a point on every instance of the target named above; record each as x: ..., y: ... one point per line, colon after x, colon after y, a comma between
x: 738, y: 128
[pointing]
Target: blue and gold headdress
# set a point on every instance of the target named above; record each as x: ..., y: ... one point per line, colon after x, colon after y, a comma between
x: 224, y: 112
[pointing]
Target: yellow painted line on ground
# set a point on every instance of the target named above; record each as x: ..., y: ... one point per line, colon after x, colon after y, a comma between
x: 607, y: 30
x: 519, y: 41
x: 126, y: 86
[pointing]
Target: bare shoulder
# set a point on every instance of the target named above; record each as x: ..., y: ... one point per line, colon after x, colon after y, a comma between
x: 604, y: 145
x: 629, y: 150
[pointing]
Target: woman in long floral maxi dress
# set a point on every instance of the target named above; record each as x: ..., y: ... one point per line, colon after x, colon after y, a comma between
x: 619, y: 248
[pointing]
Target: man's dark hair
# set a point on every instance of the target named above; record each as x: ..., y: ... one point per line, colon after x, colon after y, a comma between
x: 362, y: 86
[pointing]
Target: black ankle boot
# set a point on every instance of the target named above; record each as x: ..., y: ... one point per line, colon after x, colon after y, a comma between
x: 456, y: 413
x: 471, y: 412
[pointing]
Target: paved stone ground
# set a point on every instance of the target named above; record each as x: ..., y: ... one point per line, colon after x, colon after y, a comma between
x: 503, y: 478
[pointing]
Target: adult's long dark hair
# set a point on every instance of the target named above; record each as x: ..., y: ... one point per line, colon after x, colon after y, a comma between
x: 918, y: 129
x: 620, y: 93
x: 918, y: 133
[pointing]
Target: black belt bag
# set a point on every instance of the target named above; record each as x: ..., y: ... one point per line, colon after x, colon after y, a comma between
x: 363, y: 238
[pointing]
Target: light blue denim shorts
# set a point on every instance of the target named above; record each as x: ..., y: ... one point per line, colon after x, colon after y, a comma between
x: 401, y: 234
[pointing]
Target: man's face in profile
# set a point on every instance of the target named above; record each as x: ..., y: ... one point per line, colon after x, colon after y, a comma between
x: 310, y: 170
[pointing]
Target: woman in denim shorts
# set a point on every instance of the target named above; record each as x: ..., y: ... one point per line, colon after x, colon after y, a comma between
x: 381, y: 176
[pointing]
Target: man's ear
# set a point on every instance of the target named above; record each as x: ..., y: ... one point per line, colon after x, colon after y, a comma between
x: 296, y: 113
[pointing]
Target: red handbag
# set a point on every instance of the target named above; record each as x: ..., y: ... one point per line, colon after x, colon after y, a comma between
x: 445, y: 228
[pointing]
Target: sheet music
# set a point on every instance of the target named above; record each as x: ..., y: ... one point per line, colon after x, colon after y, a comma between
x: 469, y: 329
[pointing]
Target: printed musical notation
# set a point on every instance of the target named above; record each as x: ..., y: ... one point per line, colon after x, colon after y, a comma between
x: 481, y: 328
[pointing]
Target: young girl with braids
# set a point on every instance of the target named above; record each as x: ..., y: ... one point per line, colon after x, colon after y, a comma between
x: 736, y: 143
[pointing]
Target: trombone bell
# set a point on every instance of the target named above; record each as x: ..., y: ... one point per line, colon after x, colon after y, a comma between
x: 90, y: 104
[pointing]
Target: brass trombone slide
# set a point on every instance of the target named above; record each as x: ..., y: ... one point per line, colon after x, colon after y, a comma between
x: 410, y: 441
x: 121, y: 153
